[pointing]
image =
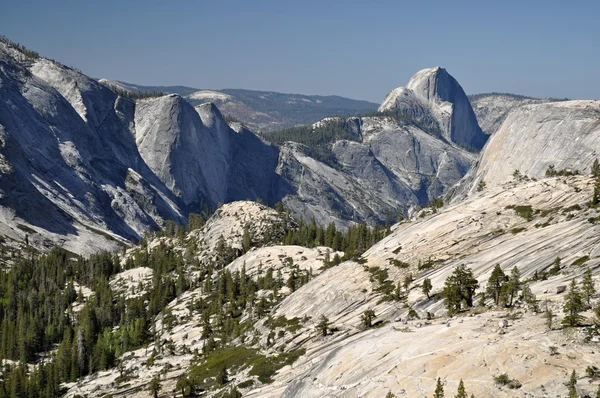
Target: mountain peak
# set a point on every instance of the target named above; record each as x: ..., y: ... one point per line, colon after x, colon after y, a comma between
x: 436, y: 94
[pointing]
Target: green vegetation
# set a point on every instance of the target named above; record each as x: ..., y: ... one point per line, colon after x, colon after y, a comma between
x: 353, y: 242
x: 237, y: 358
x: 367, y: 318
x: 504, y: 380
x: 439, y: 389
x: 574, y: 304
x: 581, y: 260
x: 552, y: 172
x: 318, y: 140
x: 19, y: 47
x: 525, y: 211
x: 459, y: 289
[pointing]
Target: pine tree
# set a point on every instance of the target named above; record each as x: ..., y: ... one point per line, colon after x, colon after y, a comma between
x: 439, y: 389
x: 323, y: 326
x: 459, y: 288
x: 573, y: 306
x: 587, y: 287
x: 154, y: 387
x: 460, y: 392
x: 512, y: 286
x: 367, y: 318
x: 572, y: 385
x: 246, y: 240
x: 495, y: 283
x: 427, y: 286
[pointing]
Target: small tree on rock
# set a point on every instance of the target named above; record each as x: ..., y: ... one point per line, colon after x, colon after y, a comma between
x: 367, y: 318
x: 460, y: 392
x: 459, y: 289
x: 495, y: 283
x: 154, y: 386
x: 427, y: 286
x: 323, y: 327
x: 439, y: 389
x: 573, y: 306
x: 587, y: 287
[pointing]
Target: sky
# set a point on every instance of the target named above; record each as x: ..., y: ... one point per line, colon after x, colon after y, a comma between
x: 357, y: 49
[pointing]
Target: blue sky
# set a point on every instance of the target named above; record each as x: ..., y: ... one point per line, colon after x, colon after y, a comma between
x: 358, y: 49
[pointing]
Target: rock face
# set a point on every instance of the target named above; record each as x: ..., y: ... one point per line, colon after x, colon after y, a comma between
x: 480, y: 233
x: 436, y: 98
x: 492, y: 109
x: 91, y: 163
x: 70, y: 164
x: 533, y: 137
x: 261, y: 110
x: 392, y: 168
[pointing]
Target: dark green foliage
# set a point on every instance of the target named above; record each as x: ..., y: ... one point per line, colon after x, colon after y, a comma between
x: 427, y: 286
x: 572, y: 385
x: 135, y: 95
x: 552, y: 172
x: 367, y: 318
x: 495, y: 283
x: 355, y: 241
x: 581, y: 260
x: 19, y: 47
x: 525, y: 211
x: 154, y: 387
x: 439, y: 389
x: 459, y: 289
x: 587, y: 287
x: 592, y: 371
x: 324, y: 326
x: 461, y: 392
x: 574, y: 304
x: 318, y: 140
x: 596, y: 168
x: 504, y: 380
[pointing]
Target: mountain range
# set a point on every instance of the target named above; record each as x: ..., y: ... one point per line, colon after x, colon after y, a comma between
x: 480, y: 269
x: 99, y: 169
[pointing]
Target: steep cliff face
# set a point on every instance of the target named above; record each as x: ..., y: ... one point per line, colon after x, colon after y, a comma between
x: 435, y: 97
x: 67, y: 157
x: 492, y: 109
x: 533, y: 137
x: 189, y: 156
x: 390, y: 169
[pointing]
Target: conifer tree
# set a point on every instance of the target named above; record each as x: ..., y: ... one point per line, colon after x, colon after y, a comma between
x: 439, y: 389
x: 367, y: 318
x: 495, y: 283
x: 154, y: 387
x: 323, y: 326
x: 572, y: 385
x: 459, y: 289
x: 573, y: 306
x: 460, y: 392
x: 427, y: 286
x: 512, y: 286
x: 587, y: 287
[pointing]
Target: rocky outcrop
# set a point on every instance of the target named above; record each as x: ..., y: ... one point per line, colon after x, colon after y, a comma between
x: 67, y: 151
x: 533, y: 137
x: 392, y: 168
x: 492, y: 109
x: 435, y: 98
x: 407, y: 356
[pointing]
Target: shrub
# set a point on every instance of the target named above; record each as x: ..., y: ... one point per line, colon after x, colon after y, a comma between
x: 504, y: 380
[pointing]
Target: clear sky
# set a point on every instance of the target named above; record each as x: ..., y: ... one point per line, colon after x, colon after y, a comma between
x: 357, y: 49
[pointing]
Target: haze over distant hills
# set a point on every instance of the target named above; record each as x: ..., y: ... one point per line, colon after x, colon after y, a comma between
x: 262, y: 110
